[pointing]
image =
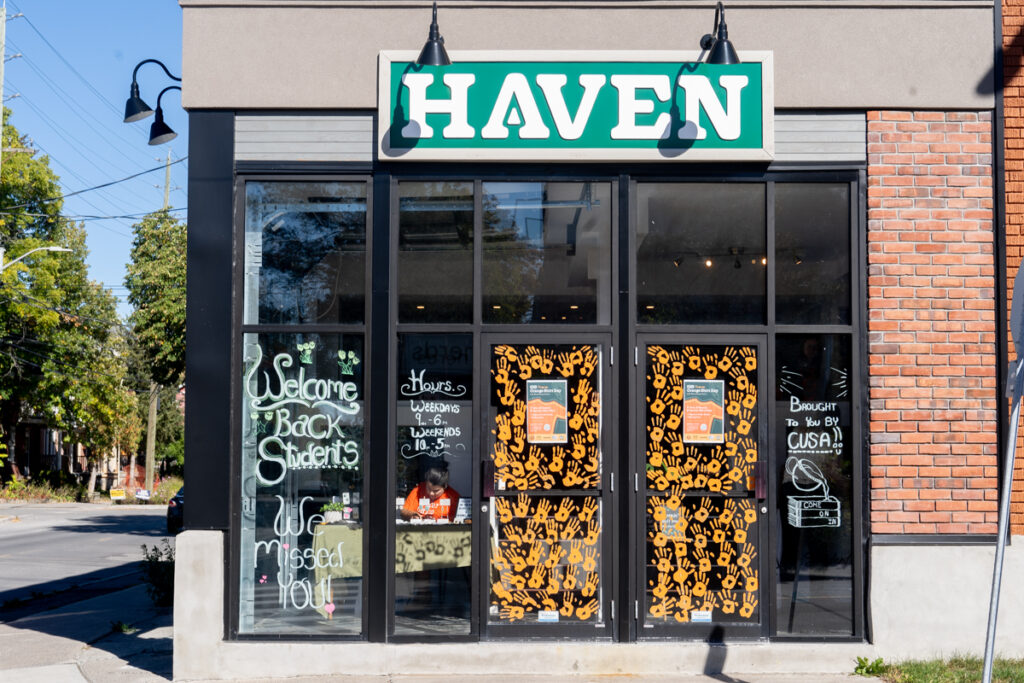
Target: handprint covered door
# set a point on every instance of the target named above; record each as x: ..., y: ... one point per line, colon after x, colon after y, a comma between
x: 701, y: 436
x: 545, y: 574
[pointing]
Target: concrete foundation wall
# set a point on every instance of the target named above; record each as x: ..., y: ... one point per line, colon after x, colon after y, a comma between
x: 926, y: 601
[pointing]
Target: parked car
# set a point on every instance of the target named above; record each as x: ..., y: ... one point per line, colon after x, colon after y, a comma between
x: 176, y: 512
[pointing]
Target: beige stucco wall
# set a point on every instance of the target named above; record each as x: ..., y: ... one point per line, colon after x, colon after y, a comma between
x: 322, y: 54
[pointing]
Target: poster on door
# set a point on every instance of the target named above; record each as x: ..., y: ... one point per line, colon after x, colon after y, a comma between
x: 546, y: 411
x: 703, y: 411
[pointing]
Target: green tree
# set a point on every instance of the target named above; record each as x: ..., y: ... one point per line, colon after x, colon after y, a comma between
x: 156, y: 288
x: 61, y: 345
x: 28, y: 295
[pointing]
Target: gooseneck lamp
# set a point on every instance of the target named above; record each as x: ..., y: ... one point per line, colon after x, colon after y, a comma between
x: 433, y: 53
x: 160, y: 132
x: 720, y: 50
x: 135, y: 109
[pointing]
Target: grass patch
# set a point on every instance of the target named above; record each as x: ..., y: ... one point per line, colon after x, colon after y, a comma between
x: 954, y: 670
x: 41, y: 492
x: 121, y: 627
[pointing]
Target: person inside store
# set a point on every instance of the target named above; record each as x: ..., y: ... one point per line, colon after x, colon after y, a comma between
x: 432, y: 498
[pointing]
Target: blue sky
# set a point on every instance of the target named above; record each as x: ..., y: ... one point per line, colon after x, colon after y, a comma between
x: 67, y: 92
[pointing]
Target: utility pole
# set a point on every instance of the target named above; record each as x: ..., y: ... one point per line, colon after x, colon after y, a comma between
x: 154, y: 388
x: 3, y: 47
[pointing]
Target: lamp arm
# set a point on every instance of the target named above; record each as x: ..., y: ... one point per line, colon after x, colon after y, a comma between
x: 153, y: 61
x: 708, y: 41
x: 170, y: 87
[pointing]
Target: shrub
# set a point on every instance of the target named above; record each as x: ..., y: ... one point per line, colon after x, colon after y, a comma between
x: 165, y: 489
x: 158, y: 570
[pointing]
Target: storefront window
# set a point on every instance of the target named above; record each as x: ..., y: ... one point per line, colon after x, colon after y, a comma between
x: 305, y: 252
x: 546, y: 252
x: 434, y: 488
x: 302, y: 484
x: 812, y: 253
x: 814, y: 462
x: 700, y: 253
x: 435, y: 252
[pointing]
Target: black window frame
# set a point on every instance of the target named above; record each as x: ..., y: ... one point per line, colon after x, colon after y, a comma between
x: 381, y: 330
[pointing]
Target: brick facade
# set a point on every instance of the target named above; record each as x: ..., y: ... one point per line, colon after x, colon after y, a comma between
x: 931, y: 323
x: 1013, y: 126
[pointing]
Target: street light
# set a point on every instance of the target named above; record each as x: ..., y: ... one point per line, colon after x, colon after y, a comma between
x: 135, y: 108
x: 3, y: 251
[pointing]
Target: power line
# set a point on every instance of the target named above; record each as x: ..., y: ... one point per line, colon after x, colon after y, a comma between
x: 87, y: 217
x: 97, y: 187
x: 74, y: 105
x: 68, y: 64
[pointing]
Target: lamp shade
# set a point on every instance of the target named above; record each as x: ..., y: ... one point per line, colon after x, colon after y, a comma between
x: 722, y: 52
x: 134, y: 108
x: 433, y: 52
x: 160, y: 132
x: 720, y: 49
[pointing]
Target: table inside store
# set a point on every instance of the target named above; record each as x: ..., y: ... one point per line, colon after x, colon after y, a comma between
x: 417, y: 547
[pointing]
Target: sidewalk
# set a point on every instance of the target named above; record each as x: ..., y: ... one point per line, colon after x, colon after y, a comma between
x: 77, y: 643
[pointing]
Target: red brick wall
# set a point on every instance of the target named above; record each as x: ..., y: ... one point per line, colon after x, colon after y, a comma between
x: 1013, y: 126
x: 931, y: 323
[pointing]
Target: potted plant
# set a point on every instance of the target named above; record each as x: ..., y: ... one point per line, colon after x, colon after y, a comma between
x: 332, y: 512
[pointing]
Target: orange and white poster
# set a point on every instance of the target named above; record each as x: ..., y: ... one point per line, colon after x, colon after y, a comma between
x: 703, y: 411
x: 547, y: 411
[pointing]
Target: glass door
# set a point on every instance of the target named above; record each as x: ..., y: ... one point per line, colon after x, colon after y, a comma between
x: 544, y: 502
x: 702, y: 481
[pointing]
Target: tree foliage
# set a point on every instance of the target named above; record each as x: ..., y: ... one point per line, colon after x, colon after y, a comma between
x: 61, y: 345
x: 156, y: 288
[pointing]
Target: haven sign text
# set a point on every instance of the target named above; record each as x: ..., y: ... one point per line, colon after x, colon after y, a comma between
x: 572, y: 106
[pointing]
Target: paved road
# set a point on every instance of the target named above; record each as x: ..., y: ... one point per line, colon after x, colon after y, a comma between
x: 53, y: 553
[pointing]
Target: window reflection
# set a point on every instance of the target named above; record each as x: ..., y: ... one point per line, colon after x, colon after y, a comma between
x: 305, y: 252
x: 812, y: 253
x: 435, y: 252
x: 813, y: 443
x: 700, y: 253
x: 546, y: 252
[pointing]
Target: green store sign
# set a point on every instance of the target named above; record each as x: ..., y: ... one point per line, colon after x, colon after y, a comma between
x: 570, y: 106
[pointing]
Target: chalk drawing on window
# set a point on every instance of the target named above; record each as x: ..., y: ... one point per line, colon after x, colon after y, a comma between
x: 818, y: 508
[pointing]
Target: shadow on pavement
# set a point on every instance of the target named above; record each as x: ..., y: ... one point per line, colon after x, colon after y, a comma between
x: 103, y: 635
x: 106, y: 523
x: 41, y: 597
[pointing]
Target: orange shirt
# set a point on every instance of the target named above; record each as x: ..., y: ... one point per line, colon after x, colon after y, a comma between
x: 445, y: 505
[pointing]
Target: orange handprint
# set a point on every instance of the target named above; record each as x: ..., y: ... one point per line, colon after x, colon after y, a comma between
x: 565, y: 509
x: 571, y: 579
x: 588, y: 509
x: 575, y: 552
x: 584, y: 612
x: 522, y: 505
x: 554, y: 555
x: 568, y: 605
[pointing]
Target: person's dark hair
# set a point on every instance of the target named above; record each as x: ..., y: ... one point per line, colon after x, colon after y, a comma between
x: 437, y: 476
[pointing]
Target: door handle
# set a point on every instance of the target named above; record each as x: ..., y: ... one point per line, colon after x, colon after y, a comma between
x: 760, y: 480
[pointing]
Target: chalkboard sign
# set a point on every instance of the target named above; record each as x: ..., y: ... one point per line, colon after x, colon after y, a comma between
x: 434, y: 399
